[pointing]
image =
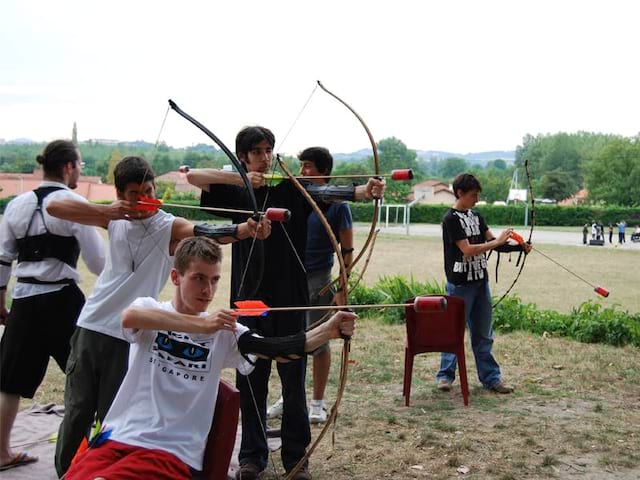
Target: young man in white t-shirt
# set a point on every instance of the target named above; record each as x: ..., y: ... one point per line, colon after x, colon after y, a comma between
x: 162, y: 413
x: 141, y: 247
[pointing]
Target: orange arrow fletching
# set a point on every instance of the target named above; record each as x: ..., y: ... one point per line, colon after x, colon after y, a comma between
x: 148, y: 204
x: 517, y: 237
x: 251, y: 308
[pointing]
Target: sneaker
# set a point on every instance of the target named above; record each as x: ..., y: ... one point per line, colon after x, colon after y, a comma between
x: 248, y: 471
x: 502, y: 387
x: 303, y: 474
x: 317, y: 411
x: 443, y: 385
x: 275, y: 410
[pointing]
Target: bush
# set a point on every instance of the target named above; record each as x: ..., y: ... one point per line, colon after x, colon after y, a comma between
x: 3, y: 203
x: 589, y: 323
x: 392, y: 289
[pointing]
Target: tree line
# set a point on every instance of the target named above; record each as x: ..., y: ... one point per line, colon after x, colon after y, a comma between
x: 560, y: 164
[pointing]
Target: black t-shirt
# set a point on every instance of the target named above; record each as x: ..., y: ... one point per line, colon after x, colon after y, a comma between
x: 284, y: 282
x: 458, y: 225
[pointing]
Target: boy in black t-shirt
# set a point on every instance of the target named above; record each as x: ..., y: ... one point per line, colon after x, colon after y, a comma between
x: 281, y: 281
x: 466, y: 238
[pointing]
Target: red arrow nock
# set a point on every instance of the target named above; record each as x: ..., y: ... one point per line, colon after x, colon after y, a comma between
x: 278, y: 214
x: 404, y: 174
x: 601, y: 291
x: 148, y: 204
x: 430, y: 304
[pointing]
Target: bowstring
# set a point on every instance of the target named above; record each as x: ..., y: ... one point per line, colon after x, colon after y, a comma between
x: 145, y: 225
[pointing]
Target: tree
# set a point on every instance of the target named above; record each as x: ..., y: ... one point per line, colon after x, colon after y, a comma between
x: 613, y: 177
x: 394, y: 154
x: 113, y: 161
x: 452, y: 166
x: 495, y: 183
x: 498, y: 164
x: 557, y: 185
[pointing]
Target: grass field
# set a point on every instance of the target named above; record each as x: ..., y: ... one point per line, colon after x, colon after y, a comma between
x: 575, y: 411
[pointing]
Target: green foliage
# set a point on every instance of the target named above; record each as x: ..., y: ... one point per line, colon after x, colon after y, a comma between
x: 3, y: 203
x: 495, y: 181
x: 607, y: 165
x: 589, y: 323
x: 557, y: 185
x: 392, y: 289
x: 114, y: 159
x: 613, y: 177
x: 21, y: 158
x: 546, y: 215
x: 165, y: 190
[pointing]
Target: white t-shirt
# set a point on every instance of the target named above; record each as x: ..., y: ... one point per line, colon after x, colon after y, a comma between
x: 17, y: 215
x: 138, y: 266
x: 167, y: 399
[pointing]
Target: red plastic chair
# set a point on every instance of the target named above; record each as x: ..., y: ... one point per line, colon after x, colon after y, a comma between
x: 222, y: 436
x: 435, y: 332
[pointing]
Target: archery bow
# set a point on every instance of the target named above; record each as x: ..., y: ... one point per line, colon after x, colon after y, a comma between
x: 343, y: 276
x: 245, y: 180
x: 533, y: 222
x: 376, y: 164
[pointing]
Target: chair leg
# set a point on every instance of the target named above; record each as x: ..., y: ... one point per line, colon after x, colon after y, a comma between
x: 408, y: 371
x: 462, y: 368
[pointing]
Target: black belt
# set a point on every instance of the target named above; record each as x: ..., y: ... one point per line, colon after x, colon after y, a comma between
x: 35, y: 281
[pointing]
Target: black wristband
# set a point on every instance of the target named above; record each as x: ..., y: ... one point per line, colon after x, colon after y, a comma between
x: 216, y: 231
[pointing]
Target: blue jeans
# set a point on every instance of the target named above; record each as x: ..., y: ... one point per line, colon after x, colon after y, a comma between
x: 477, y: 300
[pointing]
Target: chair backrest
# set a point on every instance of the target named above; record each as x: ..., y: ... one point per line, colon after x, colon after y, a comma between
x: 435, y: 331
x: 222, y: 436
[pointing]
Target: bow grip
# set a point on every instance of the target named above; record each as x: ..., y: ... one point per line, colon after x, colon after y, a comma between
x: 346, y: 337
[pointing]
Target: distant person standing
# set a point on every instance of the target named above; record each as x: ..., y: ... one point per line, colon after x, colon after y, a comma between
x: 585, y: 233
x: 594, y: 230
x: 610, y: 233
x: 621, y: 230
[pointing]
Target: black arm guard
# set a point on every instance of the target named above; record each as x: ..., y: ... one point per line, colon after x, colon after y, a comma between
x: 506, y: 248
x: 290, y: 347
x: 215, y: 231
x: 331, y: 193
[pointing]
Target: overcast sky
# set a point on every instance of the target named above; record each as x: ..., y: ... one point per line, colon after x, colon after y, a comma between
x: 460, y: 76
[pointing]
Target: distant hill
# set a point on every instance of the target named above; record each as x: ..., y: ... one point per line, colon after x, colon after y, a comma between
x: 477, y: 157
x: 472, y: 158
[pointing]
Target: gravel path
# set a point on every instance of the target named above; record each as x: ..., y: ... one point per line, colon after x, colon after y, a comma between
x: 539, y: 236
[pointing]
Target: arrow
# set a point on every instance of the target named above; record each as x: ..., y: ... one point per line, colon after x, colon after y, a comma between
x: 599, y: 290
x: 256, y: 308
x: 399, y: 175
x: 148, y: 204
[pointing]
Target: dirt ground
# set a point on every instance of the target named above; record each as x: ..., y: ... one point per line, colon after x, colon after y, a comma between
x: 575, y: 414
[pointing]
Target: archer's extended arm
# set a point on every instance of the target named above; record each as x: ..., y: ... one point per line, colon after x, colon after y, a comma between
x: 295, y: 346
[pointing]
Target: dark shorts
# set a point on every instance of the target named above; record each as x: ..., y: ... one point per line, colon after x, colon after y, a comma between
x: 38, y: 327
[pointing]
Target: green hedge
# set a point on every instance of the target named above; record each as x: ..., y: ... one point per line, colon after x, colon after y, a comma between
x: 550, y: 215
